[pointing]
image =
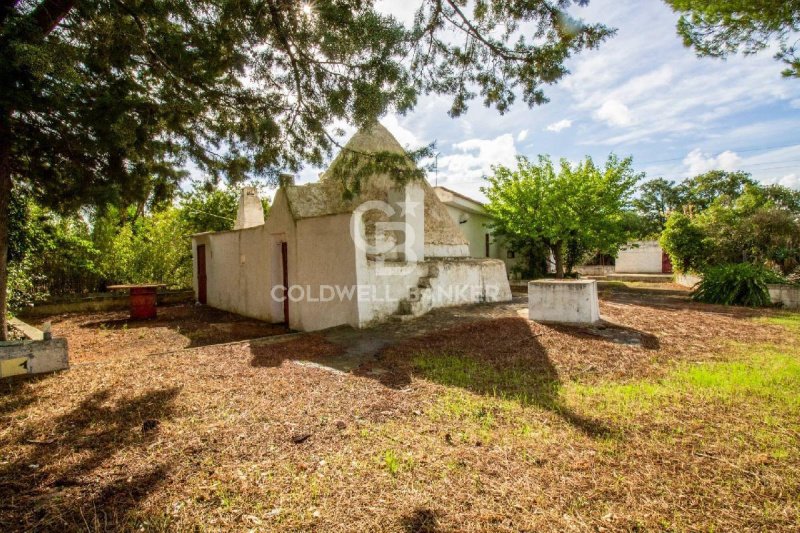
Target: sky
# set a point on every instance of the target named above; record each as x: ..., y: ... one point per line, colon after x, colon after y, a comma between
x: 641, y: 94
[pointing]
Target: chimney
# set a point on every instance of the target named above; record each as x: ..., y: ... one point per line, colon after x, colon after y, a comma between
x: 250, y: 212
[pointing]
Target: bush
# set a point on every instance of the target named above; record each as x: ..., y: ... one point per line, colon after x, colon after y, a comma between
x: 736, y: 284
x: 682, y: 239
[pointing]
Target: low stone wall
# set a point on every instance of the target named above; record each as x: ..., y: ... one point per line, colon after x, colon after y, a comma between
x: 687, y: 280
x: 595, y: 270
x: 787, y: 296
x: 106, y: 301
x: 37, y: 353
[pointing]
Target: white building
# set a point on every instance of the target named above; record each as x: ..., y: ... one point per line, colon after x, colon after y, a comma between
x: 323, y: 259
x: 642, y: 257
x: 473, y: 221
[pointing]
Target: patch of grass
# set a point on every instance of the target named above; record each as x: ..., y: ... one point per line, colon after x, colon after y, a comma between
x: 395, y: 463
x: 524, y: 385
x: 760, y: 372
x: 790, y: 321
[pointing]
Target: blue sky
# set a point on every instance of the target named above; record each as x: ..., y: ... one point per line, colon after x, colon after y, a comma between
x: 641, y: 94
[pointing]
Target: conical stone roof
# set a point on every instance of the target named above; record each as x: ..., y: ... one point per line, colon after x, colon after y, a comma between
x: 328, y: 196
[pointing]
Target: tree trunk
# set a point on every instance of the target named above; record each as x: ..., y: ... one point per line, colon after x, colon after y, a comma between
x: 5, y: 201
x: 558, y: 255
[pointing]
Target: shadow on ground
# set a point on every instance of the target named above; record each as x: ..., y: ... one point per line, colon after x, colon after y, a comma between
x: 63, y: 479
x: 201, y: 325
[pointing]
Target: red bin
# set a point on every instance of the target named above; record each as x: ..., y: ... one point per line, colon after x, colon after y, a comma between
x: 143, y: 302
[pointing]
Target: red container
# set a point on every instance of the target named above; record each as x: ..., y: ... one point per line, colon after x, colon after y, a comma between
x: 143, y: 302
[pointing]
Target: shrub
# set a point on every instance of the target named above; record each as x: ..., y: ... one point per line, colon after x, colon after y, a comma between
x: 736, y: 284
x: 682, y: 239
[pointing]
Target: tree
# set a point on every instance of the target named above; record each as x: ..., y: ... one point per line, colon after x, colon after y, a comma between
x: 656, y: 200
x: 760, y: 226
x: 105, y: 101
x: 717, y: 28
x: 208, y: 208
x: 698, y: 193
x: 581, y: 206
x: 682, y: 240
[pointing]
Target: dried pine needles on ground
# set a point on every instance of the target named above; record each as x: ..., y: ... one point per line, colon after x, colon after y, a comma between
x: 678, y: 417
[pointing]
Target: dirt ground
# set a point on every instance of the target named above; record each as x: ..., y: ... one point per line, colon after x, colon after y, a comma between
x: 668, y: 416
x: 97, y: 336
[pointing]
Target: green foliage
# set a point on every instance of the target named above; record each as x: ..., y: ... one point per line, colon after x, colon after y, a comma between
x: 154, y: 248
x: 76, y: 254
x: 130, y: 90
x: 682, y: 240
x: 698, y: 193
x: 736, y: 284
x: 581, y: 207
x: 657, y: 198
x: 718, y: 28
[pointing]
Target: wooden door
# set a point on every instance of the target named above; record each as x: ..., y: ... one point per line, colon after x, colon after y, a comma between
x: 202, y: 280
x: 666, y: 264
x: 285, y: 272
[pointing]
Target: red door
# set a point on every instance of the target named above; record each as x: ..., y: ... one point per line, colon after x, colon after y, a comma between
x: 284, y: 267
x: 202, y: 280
x: 666, y: 264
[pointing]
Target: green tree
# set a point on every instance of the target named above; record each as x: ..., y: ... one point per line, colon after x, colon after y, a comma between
x: 760, y: 226
x: 656, y: 199
x: 209, y: 208
x: 698, y: 193
x: 106, y: 101
x: 717, y: 28
x: 582, y: 206
x: 682, y: 240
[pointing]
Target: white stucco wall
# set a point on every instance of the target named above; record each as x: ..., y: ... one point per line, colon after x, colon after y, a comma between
x: 325, y: 256
x: 644, y: 259
x: 475, y: 227
x: 235, y: 281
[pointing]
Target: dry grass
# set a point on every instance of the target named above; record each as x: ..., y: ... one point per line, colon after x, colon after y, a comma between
x: 498, y: 425
x: 97, y: 336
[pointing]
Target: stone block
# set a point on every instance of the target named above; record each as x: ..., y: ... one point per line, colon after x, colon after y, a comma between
x: 564, y: 301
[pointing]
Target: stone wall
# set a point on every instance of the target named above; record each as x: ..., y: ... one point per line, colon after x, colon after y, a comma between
x: 787, y: 296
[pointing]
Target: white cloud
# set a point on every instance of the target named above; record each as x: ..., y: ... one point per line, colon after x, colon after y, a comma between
x: 476, y: 158
x: 698, y: 162
x: 521, y: 136
x: 790, y: 180
x: 560, y: 125
x: 795, y: 103
x: 615, y: 113
x: 406, y: 137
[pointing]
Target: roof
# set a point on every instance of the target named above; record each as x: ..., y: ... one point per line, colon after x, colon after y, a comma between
x: 328, y: 196
x: 459, y: 201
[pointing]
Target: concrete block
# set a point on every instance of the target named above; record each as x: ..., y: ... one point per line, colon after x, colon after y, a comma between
x: 36, y: 354
x: 567, y: 301
x: 33, y: 357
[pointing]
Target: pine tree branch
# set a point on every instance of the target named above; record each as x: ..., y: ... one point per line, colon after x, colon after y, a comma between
x: 48, y: 14
x: 6, y: 7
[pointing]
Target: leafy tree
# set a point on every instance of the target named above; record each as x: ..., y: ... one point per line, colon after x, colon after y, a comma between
x: 581, y: 206
x: 682, y: 240
x: 106, y: 101
x: 208, y: 208
x: 718, y: 28
x: 761, y: 226
x: 698, y: 193
x: 657, y: 198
